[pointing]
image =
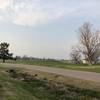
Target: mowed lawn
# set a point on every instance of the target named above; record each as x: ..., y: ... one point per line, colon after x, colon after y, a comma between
x: 60, y: 64
x: 22, y: 84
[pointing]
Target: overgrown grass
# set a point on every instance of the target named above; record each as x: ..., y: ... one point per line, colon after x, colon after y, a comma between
x: 19, y: 85
x: 59, y: 64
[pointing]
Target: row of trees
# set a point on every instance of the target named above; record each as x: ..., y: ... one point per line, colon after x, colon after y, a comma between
x: 88, y: 47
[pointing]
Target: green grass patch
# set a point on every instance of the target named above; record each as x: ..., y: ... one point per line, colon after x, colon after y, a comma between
x: 59, y: 64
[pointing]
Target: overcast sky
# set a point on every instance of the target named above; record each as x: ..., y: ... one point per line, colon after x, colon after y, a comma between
x: 45, y: 28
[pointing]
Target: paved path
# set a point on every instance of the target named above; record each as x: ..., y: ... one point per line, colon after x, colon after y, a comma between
x: 64, y: 72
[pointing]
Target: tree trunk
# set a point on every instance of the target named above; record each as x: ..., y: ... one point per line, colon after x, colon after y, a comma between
x: 89, y: 63
x: 3, y: 60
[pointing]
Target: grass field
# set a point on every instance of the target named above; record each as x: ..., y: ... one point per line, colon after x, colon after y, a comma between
x: 22, y: 84
x: 60, y: 64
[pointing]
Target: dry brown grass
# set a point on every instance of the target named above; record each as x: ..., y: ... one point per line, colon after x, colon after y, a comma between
x: 65, y: 80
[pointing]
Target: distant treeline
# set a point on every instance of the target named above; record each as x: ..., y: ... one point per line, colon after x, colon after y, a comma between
x: 33, y: 58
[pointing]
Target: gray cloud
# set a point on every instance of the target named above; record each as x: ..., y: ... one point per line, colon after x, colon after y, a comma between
x: 34, y: 12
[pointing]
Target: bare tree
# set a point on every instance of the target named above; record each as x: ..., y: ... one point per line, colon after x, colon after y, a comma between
x: 89, y: 43
x: 75, y: 55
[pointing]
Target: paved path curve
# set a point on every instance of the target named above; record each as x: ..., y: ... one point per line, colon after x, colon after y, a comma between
x: 64, y: 72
